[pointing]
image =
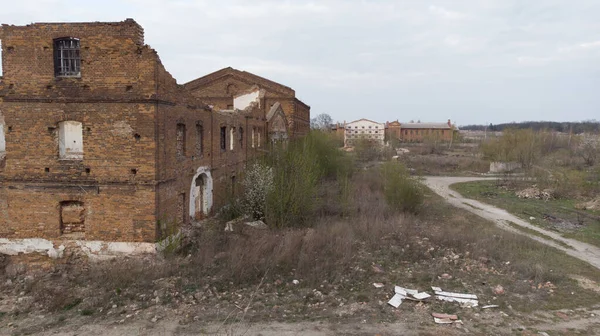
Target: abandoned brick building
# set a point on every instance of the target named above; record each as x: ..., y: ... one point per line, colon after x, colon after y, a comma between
x: 219, y: 89
x: 99, y: 143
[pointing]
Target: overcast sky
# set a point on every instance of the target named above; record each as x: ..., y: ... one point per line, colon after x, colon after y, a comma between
x: 472, y: 61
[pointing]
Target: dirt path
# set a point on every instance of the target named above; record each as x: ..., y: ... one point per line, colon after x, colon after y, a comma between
x: 579, y: 250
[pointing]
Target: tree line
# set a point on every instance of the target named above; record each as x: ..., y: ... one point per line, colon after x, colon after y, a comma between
x: 588, y: 126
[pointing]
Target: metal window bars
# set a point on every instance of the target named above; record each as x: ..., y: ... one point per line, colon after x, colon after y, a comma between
x: 67, y: 60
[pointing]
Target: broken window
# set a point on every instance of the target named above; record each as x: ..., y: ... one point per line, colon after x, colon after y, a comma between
x: 199, y: 139
x: 72, y: 217
x: 241, y: 137
x: 70, y: 140
x: 259, y: 131
x: 231, y: 138
x: 223, y: 138
x: 2, y: 138
x: 253, y: 131
x: 180, y: 140
x: 0, y: 58
x: 67, y: 61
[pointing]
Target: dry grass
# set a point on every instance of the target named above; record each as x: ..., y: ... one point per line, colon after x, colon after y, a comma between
x: 338, y: 250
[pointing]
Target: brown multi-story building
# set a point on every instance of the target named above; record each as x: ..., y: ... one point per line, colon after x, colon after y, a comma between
x: 100, y: 144
x: 221, y: 88
x: 418, y: 132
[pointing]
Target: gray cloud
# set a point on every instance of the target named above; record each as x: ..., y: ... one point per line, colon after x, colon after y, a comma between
x: 472, y: 61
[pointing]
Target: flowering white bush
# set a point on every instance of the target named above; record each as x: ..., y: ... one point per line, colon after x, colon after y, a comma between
x: 257, y: 184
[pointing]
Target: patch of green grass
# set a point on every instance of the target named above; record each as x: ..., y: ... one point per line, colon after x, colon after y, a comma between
x: 72, y: 304
x: 537, y: 233
x: 585, y: 226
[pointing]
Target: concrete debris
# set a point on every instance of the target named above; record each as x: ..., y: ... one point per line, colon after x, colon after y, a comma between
x: 257, y: 225
x: 396, y: 300
x: 421, y: 296
x: 378, y: 284
x: 442, y: 321
x: 295, y: 282
x: 445, y: 316
x: 490, y: 306
x: 535, y: 193
x: 469, y: 300
x: 401, y: 293
x: 498, y: 290
x: 377, y: 269
x: 591, y: 205
x: 543, y: 333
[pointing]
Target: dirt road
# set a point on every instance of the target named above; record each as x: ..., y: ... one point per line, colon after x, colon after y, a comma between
x: 579, y: 250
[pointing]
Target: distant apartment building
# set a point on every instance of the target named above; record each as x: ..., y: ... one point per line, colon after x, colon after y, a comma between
x: 364, y: 129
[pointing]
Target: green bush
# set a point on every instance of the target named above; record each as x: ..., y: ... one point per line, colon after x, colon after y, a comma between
x: 402, y: 192
x: 297, y: 169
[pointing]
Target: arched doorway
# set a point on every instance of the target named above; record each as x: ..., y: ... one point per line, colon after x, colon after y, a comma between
x: 201, y: 194
x: 200, y: 184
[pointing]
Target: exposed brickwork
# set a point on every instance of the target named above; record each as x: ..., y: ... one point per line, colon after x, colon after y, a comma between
x: 135, y: 178
x: 219, y: 88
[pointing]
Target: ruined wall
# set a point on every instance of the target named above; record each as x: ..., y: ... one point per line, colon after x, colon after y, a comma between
x: 218, y: 90
x: 135, y: 161
x: 113, y: 179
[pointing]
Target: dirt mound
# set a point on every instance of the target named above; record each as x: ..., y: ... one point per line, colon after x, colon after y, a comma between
x: 535, y: 193
x: 590, y: 205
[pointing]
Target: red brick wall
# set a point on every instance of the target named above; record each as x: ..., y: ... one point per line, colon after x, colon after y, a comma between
x: 130, y: 177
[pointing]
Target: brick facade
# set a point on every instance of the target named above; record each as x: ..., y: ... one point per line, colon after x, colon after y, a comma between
x: 148, y: 143
x: 219, y: 89
x: 419, y: 132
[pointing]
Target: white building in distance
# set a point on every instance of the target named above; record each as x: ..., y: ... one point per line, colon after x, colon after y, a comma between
x: 364, y: 129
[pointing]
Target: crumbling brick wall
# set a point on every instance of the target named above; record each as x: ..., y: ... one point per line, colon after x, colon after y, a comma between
x: 219, y: 88
x: 130, y: 184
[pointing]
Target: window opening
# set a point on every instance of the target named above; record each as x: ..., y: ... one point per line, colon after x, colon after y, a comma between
x: 67, y: 60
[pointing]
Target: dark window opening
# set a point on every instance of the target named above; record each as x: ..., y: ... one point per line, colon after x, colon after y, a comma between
x: 180, y: 139
x: 233, y: 186
x: 199, y: 140
x: 67, y: 60
x: 223, y: 138
x: 241, y: 137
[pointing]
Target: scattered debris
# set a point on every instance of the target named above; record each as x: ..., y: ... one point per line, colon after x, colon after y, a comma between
x: 543, y: 333
x: 421, y: 296
x: 378, y: 284
x: 590, y: 205
x: 445, y: 318
x: 446, y: 276
x: 377, y: 269
x: 531, y: 218
x: 498, y: 290
x: 535, y: 193
x: 396, y: 300
x: 401, y: 293
x: 257, y: 225
x: 295, y: 282
x: 469, y: 300
x: 490, y: 306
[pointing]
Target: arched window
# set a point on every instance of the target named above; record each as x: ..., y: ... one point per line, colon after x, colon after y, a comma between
x: 199, y: 139
x: 2, y: 138
x: 231, y: 138
x: 180, y: 140
x: 67, y: 61
x: 70, y: 140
